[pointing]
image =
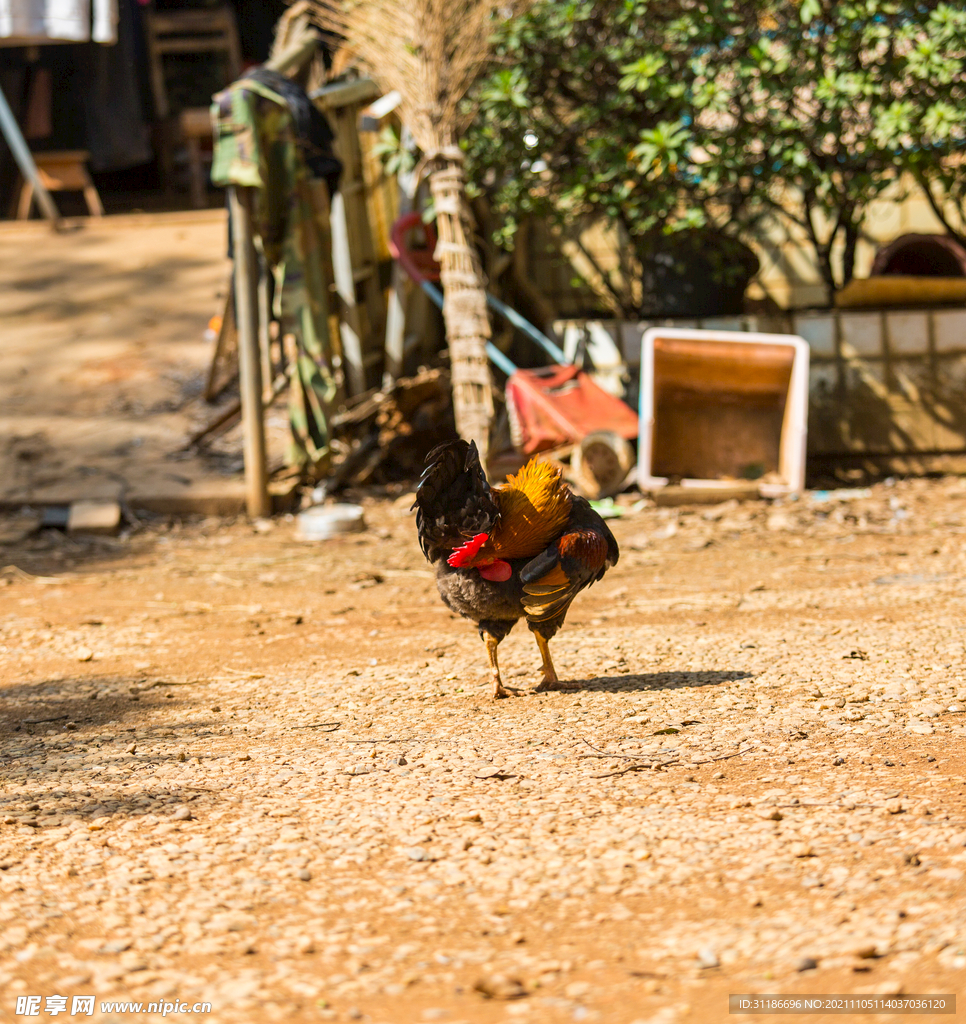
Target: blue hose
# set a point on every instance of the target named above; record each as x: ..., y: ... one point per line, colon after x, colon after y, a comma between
x: 495, y: 355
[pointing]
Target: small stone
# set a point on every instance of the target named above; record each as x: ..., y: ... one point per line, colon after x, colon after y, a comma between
x: 802, y: 850
x: 806, y: 963
x: 305, y: 875
x: 838, y: 761
x: 415, y: 853
x: 866, y: 953
x: 775, y: 815
x: 115, y: 946
x: 181, y: 813
x: 708, y: 958
x: 956, y: 709
x: 100, y: 517
x: 500, y: 986
x: 84, y: 654
x: 231, y: 922
x: 812, y: 882
x: 577, y: 989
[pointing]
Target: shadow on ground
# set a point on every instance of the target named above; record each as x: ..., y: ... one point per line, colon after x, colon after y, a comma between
x: 658, y: 681
x: 44, y: 724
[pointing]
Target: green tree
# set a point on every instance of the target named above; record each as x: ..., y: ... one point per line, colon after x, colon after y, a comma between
x: 926, y: 122
x: 592, y: 115
x: 716, y: 114
x: 819, y: 88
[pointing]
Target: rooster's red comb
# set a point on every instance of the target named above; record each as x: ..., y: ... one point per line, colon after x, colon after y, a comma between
x: 468, y: 551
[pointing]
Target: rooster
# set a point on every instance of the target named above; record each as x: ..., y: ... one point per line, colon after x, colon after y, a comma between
x: 521, y: 549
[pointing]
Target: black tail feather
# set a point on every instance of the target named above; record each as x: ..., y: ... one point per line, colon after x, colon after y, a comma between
x: 453, y: 499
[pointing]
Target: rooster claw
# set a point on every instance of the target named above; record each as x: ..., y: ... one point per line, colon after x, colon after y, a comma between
x: 501, y: 691
x: 555, y: 684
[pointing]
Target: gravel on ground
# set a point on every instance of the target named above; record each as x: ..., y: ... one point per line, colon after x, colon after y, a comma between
x: 269, y: 775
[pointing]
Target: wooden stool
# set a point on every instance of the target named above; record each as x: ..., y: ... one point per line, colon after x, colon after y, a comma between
x: 213, y: 31
x: 64, y: 171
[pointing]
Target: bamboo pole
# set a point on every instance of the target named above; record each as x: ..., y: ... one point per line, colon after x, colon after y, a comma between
x: 464, y: 306
x: 249, y: 362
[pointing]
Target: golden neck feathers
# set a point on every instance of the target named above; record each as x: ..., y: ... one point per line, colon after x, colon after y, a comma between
x: 534, y: 507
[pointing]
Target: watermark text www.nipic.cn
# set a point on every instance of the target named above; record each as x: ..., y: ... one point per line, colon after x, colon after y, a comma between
x: 83, y: 1006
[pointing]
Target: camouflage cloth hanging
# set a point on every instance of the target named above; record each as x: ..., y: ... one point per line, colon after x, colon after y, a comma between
x: 258, y: 145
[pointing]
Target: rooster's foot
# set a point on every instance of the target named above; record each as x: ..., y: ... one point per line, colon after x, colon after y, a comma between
x: 550, y: 680
x: 555, y: 684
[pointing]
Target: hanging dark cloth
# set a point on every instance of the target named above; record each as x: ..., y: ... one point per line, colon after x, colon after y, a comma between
x: 117, y: 135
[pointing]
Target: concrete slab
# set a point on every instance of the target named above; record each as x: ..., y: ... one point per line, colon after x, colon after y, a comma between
x: 100, y: 517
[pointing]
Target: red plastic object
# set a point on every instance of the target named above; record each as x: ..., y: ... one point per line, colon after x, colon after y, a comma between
x: 420, y: 264
x: 559, y: 404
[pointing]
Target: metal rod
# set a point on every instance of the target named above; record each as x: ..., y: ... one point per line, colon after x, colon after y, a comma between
x: 552, y: 350
x: 249, y: 363
x: 21, y: 153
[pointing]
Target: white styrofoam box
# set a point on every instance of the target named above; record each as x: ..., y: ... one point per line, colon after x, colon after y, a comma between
x: 862, y: 332
x: 818, y: 330
x: 794, y: 429
x: 908, y: 332
x: 949, y: 327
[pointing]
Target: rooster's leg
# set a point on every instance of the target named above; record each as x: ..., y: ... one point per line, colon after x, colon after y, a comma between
x: 491, y: 645
x: 550, y: 680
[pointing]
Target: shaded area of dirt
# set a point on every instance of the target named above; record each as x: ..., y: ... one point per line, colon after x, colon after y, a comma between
x: 104, y: 357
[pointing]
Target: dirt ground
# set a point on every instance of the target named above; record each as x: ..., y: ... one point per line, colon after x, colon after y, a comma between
x: 270, y: 776
x: 103, y: 359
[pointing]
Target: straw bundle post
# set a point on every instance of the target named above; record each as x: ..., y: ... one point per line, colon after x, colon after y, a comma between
x: 431, y: 52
